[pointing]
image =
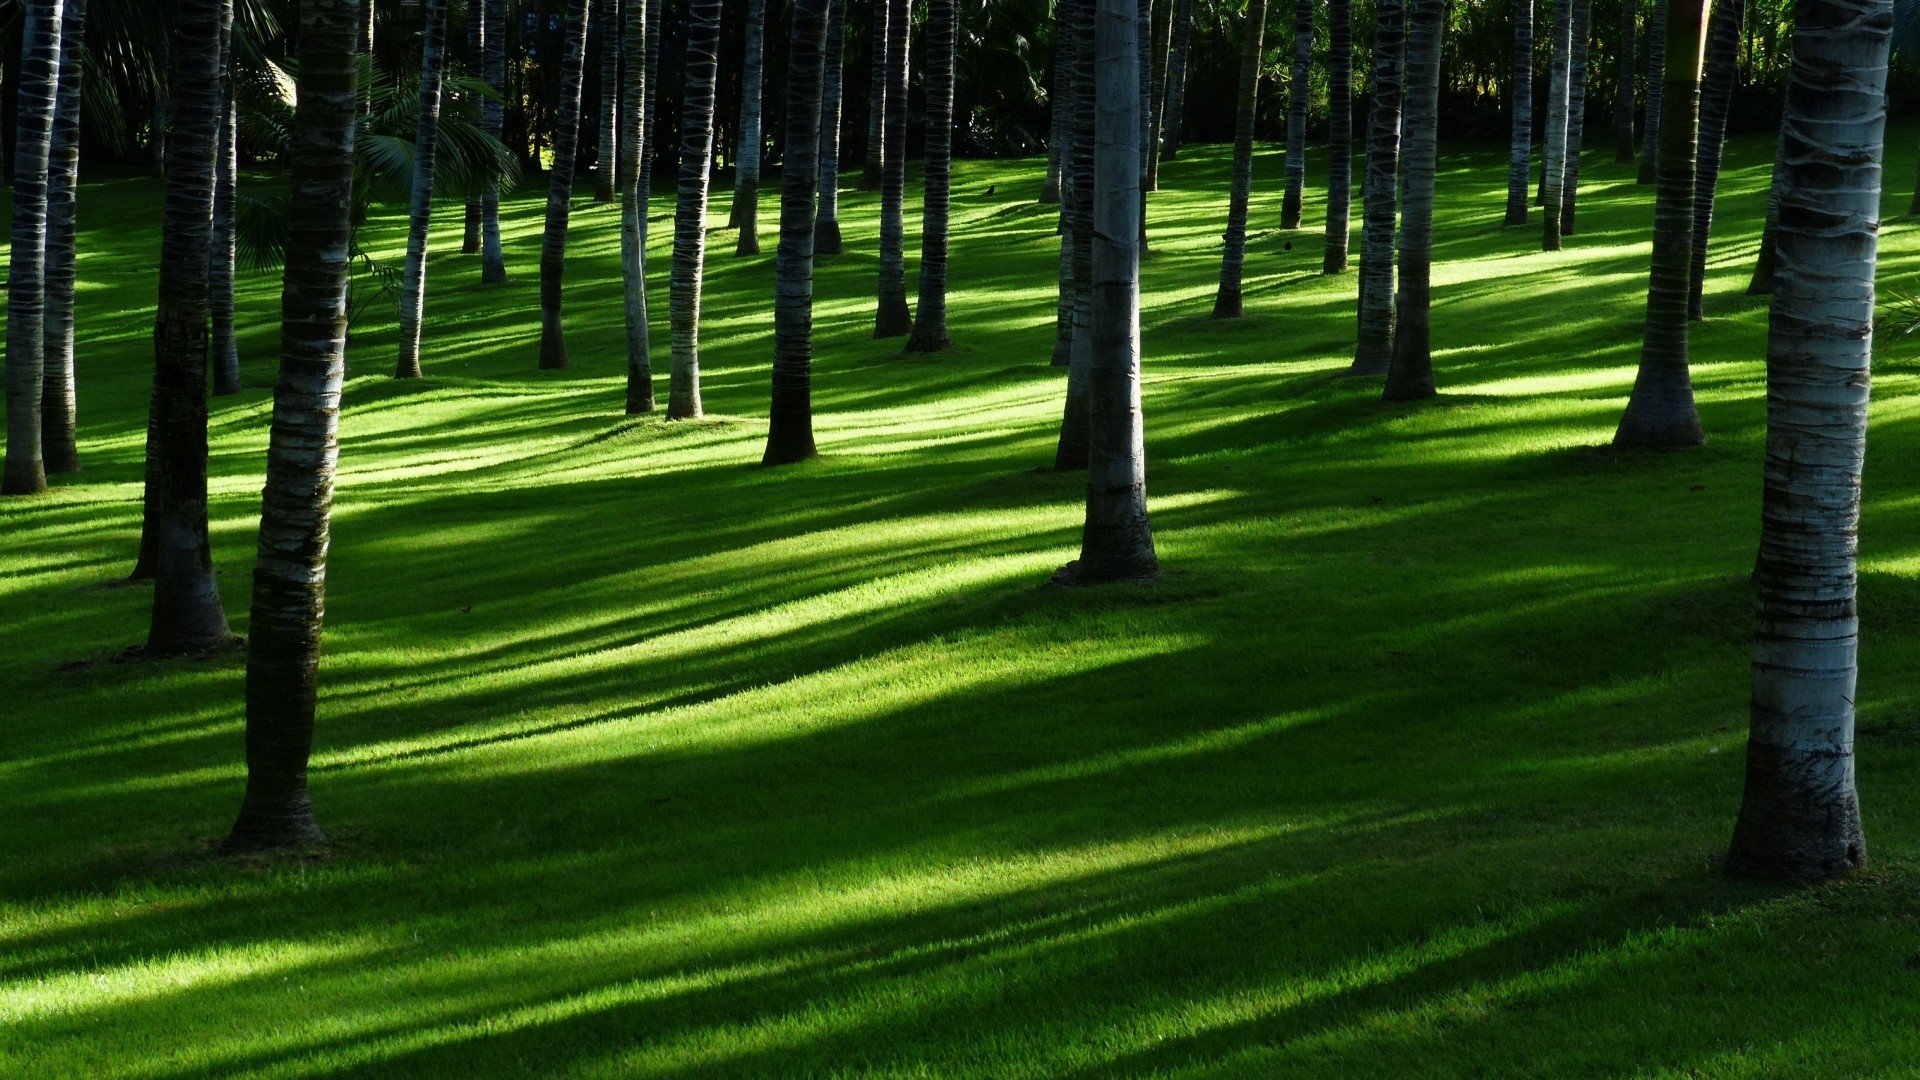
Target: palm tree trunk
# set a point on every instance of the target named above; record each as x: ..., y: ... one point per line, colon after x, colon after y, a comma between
x: 1410, y: 376
x: 891, y: 317
x: 1157, y: 90
x: 1233, y: 260
x: 187, y: 615
x: 1057, y: 113
x: 59, y: 404
x: 1143, y: 44
x: 1339, y: 134
x: 426, y: 140
x: 1661, y: 412
x: 1373, y: 354
x: 475, y: 63
x: 1297, y: 90
x: 746, y: 173
x: 1069, y: 34
x: 1716, y: 98
x: 161, y: 116
x: 790, y: 415
x: 1576, y: 114
x: 1556, y: 140
x: 930, y: 327
x: 493, y: 267
x: 1173, y: 116
x: 566, y: 138
x: 826, y: 222
x: 1070, y: 453
x: 690, y: 217
x: 1800, y: 815
x: 876, y: 95
x: 606, y: 165
x: 1763, y: 266
x: 1623, y: 144
x: 1117, y: 541
x: 290, y: 576
x: 631, y: 155
x: 226, y: 166
x: 1520, y: 88
x: 25, y: 471
x: 1656, y: 91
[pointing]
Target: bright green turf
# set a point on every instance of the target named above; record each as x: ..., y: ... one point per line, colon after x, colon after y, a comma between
x: 641, y: 759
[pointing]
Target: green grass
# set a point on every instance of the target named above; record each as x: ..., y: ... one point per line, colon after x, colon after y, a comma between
x: 640, y: 759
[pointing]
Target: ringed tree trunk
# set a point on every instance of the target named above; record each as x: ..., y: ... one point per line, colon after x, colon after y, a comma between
x: 1339, y: 134
x: 635, y: 57
x: 1143, y: 44
x: 1373, y: 354
x: 1556, y: 142
x: 1656, y: 91
x: 1716, y: 98
x: 1157, y: 90
x: 1410, y: 376
x: 891, y: 317
x: 1233, y: 260
x: 1661, y: 413
x: 876, y: 94
x: 746, y: 173
x: 187, y: 615
x: 1070, y: 453
x: 426, y: 142
x: 59, y: 404
x: 1520, y: 157
x: 1116, y: 543
x: 493, y: 267
x: 25, y: 471
x: 1173, y: 115
x: 290, y: 575
x: 1068, y: 14
x: 1623, y: 83
x: 1763, y: 267
x: 1057, y: 112
x: 826, y: 222
x: 790, y: 415
x: 1297, y: 90
x: 566, y: 137
x: 226, y: 167
x: 476, y: 60
x: 1576, y: 114
x: 690, y: 214
x: 606, y: 164
x: 1800, y: 814
x: 930, y: 327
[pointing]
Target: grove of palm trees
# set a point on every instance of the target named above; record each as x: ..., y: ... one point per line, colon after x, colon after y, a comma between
x: 609, y: 538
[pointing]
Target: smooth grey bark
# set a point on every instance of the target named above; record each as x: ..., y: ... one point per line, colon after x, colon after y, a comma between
x: 930, y: 320
x: 1800, y: 812
x: 746, y: 174
x: 1143, y: 44
x: 290, y: 574
x: 476, y: 60
x: 1623, y: 78
x: 1716, y: 99
x: 1157, y: 90
x: 1555, y: 150
x: 553, y: 242
x: 1070, y: 453
x: 891, y: 317
x: 1520, y: 90
x: 1233, y: 258
x: 1173, y: 113
x: 606, y: 165
x: 493, y: 266
x: 59, y: 401
x: 25, y: 470
x: 1410, y: 376
x: 790, y: 414
x: 1764, y: 263
x: 826, y: 221
x: 1339, y: 135
x: 1576, y: 114
x: 226, y: 168
x: 1069, y: 33
x: 636, y: 56
x: 876, y: 94
x: 1661, y: 412
x: 1297, y: 88
x: 1373, y: 352
x: 690, y: 213
x: 426, y: 142
x: 1656, y: 92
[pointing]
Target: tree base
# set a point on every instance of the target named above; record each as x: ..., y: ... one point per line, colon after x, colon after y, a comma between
x: 639, y: 393
x: 1062, y: 351
x: 928, y: 338
x: 1334, y: 263
x: 553, y: 348
x: 60, y: 460
x: 1792, y: 828
x: 826, y: 238
x: 750, y: 243
x: 1079, y: 573
x: 1370, y: 363
x: 892, y: 319
x: 493, y: 275
x: 261, y: 829
x: 23, y: 478
x: 789, y: 450
x: 869, y: 178
x: 1672, y: 429
x: 1226, y: 303
x: 1516, y: 215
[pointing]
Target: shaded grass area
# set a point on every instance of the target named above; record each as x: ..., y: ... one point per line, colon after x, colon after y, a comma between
x: 643, y: 760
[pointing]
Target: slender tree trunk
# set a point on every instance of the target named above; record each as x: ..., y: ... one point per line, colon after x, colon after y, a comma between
x: 632, y: 154
x: 1556, y: 140
x: 891, y: 317
x: 1057, y: 113
x: 1173, y: 116
x: 493, y: 267
x: 1800, y: 815
x: 566, y: 135
x: 1624, y: 67
x: 226, y: 167
x: 930, y: 325
x: 25, y: 471
x: 1716, y: 98
x: 476, y: 63
x: 1410, y: 376
x: 746, y: 173
x: 161, y: 118
x: 1764, y: 264
x: 826, y: 222
x: 1075, y: 422
x: 1339, y: 134
x: 59, y: 404
x: 1656, y: 91
x: 1520, y: 87
x: 606, y: 165
x: 1227, y: 301
x: 1157, y: 89
x: 790, y: 416
x: 690, y: 216
x: 1374, y: 352
x: 1069, y: 14
x: 290, y: 576
x: 876, y: 95
x: 1143, y: 44
x: 1661, y: 412
x: 1297, y: 90
x: 426, y: 141
x: 187, y: 615
x: 1576, y: 114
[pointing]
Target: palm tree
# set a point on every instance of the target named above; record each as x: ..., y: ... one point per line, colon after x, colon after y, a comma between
x: 690, y: 216
x: 607, y: 164
x: 1373, y: 354
x: 1068, y: 35
x: 1226, y: 302
x: 1410, y: 376
x: 413, y: 280
x: 1716, y: 97
x: 876, y: 94
x: 59, y: 405
x: 476, y: 60
x: 1661, y: 412
x: 1157, y: 91
x: 493, y: 267
x: 1070, y: 452
x: 1763, y: 266
x: 1800, y: 815
x: 187, y: 615
x: 746, y: 174
x: 1623, y: 74
x: 790, y: 416
x: 636, y: 54
x: 1576, y: 114
x: 566, y: 135
x: 891, y: 317
x: 1143, y: 43
x: 25, y: 471
x: 1656, y: 91
x: 226, y: 164
x: 1173, y: 114
x: 290, y: 575
x: 826, y: 222
x: 1556, y: 141
x: 1057, y: 110
x: 1520, y: 88
x: 1297, y: 91
x: 930, y: 328
x: 1117, y: 541
x: 1339, y: 134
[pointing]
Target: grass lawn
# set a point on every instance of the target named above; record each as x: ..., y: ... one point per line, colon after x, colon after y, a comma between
x: 640, y: 759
